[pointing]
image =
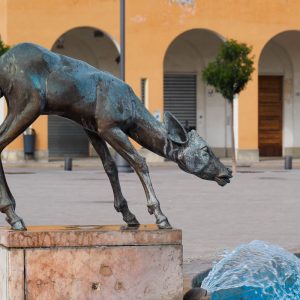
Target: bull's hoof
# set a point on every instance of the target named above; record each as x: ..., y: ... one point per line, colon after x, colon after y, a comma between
x: 132, y: 222
x: 13, y: 219
x: 164, y: 224
x: 18, y: 225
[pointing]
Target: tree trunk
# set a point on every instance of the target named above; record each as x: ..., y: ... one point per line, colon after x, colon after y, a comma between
x: 232, y: 137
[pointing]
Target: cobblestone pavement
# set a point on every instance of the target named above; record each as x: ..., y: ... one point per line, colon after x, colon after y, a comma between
x: 261, y: 203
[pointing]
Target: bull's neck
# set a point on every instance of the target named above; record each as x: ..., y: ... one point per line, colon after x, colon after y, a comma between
x: 154, y: 136
x: 170, y: 149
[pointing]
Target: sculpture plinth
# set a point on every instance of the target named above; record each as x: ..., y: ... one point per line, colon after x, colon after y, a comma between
x: 90, y: 262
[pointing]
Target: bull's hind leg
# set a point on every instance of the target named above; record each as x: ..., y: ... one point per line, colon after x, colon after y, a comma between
x: 17, y: 120
x: 110, y: 168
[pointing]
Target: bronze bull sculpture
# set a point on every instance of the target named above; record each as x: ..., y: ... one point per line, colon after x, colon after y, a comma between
x: 35, y: 81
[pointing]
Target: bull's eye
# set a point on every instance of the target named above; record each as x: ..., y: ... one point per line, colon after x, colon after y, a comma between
x: 205, y: 149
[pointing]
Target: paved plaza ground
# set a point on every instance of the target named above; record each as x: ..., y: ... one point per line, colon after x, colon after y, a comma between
x: 261, y: 203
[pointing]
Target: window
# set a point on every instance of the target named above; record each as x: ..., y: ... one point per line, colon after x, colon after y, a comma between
x: 144, y: 91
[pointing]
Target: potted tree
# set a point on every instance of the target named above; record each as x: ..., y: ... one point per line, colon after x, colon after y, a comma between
x: 3, y: 47
x: 229, y: 74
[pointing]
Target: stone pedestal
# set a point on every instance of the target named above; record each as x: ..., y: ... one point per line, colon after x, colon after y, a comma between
x: 90, y: 262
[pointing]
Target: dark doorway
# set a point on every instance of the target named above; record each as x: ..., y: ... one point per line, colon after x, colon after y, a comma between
x: 180, y: 98
x: 66, y: 138
x: 270, y: 115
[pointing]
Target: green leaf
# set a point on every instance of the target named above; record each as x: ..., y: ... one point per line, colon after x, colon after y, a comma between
x: 3, y: 47
x: 231, y: 70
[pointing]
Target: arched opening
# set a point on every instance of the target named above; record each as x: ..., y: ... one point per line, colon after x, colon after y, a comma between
x: 279, y: 96
x: 187, y: 97
x: 66, y: 138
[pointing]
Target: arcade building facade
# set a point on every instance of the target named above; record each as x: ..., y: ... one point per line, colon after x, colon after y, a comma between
x: 168, y: 43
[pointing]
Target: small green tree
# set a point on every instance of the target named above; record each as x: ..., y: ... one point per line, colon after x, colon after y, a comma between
x: 229, y: 74
x: 3, y: 47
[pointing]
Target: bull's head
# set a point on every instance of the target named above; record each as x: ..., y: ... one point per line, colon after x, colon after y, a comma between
x: 193, y: 154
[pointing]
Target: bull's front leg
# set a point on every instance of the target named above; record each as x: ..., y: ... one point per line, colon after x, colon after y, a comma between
x: 120, y: 142
x: 8, y: 204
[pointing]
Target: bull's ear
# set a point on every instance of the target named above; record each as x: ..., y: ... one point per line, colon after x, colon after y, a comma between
x: 176, y: 131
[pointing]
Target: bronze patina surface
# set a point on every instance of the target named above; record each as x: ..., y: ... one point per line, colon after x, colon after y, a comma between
x: 37, y: 82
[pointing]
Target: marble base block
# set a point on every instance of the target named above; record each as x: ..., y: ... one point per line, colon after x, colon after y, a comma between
x: 90, y: 262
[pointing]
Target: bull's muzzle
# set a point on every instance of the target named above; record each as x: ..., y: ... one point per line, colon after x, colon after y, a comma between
x: 224, y: 177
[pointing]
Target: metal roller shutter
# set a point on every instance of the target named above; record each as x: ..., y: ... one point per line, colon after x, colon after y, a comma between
x: 180, y: 94
x: 66, y: 138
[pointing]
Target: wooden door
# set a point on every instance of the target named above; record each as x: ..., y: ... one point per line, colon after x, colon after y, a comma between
x: 270, y: 115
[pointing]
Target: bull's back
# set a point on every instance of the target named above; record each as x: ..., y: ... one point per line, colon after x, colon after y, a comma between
x: 28, y: 58
x: 71, y: 87
x: 27, y: 66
